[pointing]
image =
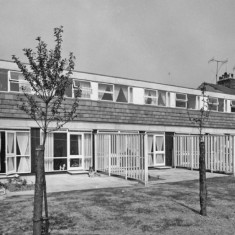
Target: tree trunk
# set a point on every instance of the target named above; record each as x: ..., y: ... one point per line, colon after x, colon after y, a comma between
x: 38, y: 192
x: 47, y: 224
x: 202, y: 179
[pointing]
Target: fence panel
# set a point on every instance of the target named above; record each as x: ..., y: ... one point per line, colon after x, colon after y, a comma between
x: 219, y: 152
x: 121, y: 154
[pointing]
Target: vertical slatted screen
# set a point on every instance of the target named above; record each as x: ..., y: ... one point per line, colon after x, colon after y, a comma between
x: 219, y: 152
x: 121, y: 154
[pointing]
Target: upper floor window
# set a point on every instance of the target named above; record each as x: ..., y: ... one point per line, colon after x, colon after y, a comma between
x: 232, y: 104
x: 105, y: 92
x: 121, y: 93
x: 18, y: 83
x: 3, y: 80
x: 221, y: 106
x: 150, y: 97
x: 192, y: 101
x: 213, y: 103
x: 161, y: 98
x: 85, y: 88
x: 181, y: 100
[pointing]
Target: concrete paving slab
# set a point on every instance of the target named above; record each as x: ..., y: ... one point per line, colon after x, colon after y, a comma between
x: 66, y: 182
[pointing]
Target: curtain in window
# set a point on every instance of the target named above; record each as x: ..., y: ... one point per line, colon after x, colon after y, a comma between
x: 150, y: 97
x: 105, y: 92
x: 79, y: 145
x: 10, y: 143
x: 22, y: 140
x: 10, y: 164
x: 49, y: 166
x: 159, y: 143
x: 86, y: 89
x: 121, y: 93
x: 150, y: 150
x: 161, y: 98
x: 87, y: 151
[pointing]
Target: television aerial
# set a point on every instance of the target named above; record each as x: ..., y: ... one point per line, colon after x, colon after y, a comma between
x: 219, y: 64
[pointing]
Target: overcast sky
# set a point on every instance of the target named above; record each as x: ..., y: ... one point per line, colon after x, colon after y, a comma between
x: 165, y: 41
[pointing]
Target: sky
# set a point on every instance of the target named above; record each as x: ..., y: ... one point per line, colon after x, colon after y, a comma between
x: 163, y: 41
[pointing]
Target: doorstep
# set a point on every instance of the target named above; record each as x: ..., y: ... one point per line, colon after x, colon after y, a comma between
x: 162, y: 167
x: 74, y: 172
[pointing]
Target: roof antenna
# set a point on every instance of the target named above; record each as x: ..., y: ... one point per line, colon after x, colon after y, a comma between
x: 218, y: 67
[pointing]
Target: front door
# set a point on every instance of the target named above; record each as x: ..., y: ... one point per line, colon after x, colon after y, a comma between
x: 2, y: 152
x: 75, y: 159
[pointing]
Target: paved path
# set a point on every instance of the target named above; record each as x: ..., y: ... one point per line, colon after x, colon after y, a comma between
x: 66, y: 182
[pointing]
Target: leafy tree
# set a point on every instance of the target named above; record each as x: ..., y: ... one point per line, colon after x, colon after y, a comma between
x: 200, y: 121
x: 48, y: 76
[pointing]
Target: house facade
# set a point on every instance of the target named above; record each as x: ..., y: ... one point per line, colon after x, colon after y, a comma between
x: 111, y: 105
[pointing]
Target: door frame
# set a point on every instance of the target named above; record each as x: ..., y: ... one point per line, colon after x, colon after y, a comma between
x: 159, y: 152
x: 70, y: 157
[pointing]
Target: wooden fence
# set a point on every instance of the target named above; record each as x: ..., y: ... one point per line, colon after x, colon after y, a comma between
x: 219, y: 152
x: 122, y: 154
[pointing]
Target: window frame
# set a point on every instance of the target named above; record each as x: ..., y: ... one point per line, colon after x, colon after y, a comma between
x: 107, y: 92
x: 86, y: 89
x: 211, y: 104
x: 181, y: 100
x: 21, y: 83
x: 151, y: 97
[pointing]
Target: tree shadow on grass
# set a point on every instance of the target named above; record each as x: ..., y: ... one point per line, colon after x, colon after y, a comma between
x: 190, y: 208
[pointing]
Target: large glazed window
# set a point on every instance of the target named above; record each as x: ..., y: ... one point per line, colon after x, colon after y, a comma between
x: 3, y: 80
x: 192, y: 101
x: 87, y: 151
x: 105, y: 92
x: 181, y: 100
x: 121, y: 93
x: 85, y: 88
x: 150, y: 97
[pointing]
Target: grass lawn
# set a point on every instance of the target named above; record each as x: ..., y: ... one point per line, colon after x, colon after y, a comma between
x: 157, y: 209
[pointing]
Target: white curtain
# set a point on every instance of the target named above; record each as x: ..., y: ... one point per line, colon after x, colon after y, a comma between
x: 87, y: 151
x: 150, y: 143
x: 10, y: 164
x: 10, y: 143
x: 159, y: 143
x: 162, y: 98
x: 49, y: 152
x: 23, y: 144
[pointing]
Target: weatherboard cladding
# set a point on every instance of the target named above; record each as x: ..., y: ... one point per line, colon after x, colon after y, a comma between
x: 108, y: 112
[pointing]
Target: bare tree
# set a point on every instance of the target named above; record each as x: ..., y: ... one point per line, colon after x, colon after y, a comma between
x: 48, y: 76
x: 200, y: 121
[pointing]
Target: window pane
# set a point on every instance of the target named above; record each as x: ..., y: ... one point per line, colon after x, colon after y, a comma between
x: 3, y: 80
x: 86, y: 89
x: 191, y: 104
x: 162, y: 98
x: 105, y: 92
x: 131, y: 95
x: 181, y: 96
x: 221, y: 105
x: 60, y: 144
x: 121, y: 93
x: 60, y: 164
x: 181, y: 104
x: 150, y: 97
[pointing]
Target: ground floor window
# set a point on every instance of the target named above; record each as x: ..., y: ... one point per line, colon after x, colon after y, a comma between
x: 17, y: 152
x: 156, y: 150
x: 68, y: 151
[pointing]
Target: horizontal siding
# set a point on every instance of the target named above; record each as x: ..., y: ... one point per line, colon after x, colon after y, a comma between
x: 109, y: 112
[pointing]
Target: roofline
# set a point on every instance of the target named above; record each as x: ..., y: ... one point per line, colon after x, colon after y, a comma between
x: 112, y: 76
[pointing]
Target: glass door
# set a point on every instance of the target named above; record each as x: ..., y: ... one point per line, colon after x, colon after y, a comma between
x: 159, y: 152
x: 75, y: 159
x: 10, y: 152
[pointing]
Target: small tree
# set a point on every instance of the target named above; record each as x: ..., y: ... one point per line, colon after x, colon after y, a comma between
x: 48, y: 75
x: 200, y: 121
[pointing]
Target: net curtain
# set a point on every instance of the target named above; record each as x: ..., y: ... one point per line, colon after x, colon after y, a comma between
x: 10, y: 150
x: 23, y: 144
